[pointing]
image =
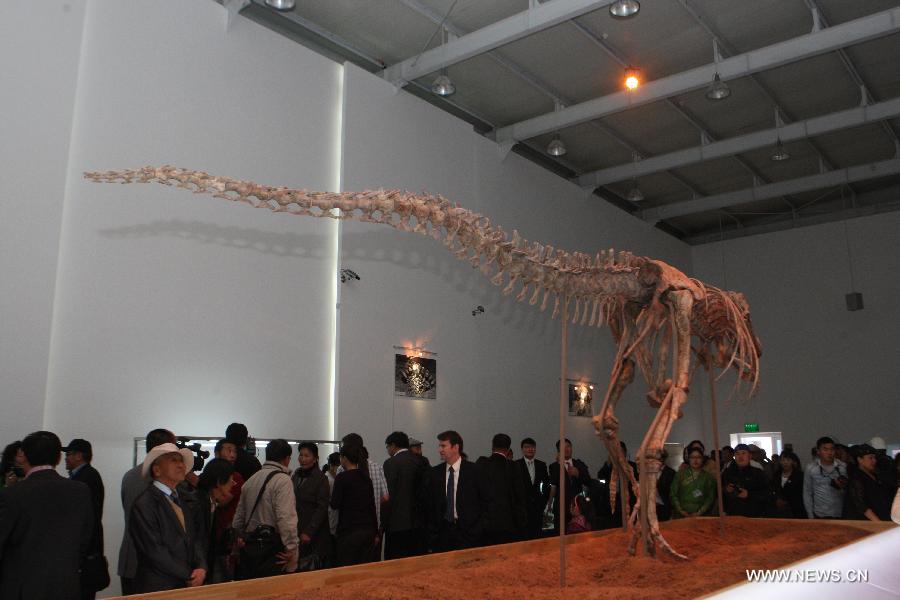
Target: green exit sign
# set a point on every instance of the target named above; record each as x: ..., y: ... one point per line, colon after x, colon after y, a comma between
x: 751, y: 427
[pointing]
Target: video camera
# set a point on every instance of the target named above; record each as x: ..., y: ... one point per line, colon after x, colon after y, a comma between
x: 200, y: 455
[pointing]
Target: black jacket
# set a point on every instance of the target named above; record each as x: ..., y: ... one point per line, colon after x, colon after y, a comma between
x: 471, y: 501
x: 46, y: 526
x: 751, y: 479
x: 536, y: 493
x: 167, y: 553
x: 89, y: 476
x: 312, y: 494
x: 792, y: 493
x: 866, y: 492
x: 664, y: 486
x: 406, y: 477
x: 505, y: 494
x: 246, y: 464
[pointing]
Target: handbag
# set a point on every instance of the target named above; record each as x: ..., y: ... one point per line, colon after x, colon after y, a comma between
x: 261, y: 546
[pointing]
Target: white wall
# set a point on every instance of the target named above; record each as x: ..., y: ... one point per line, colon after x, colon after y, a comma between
x: 825, y: 370
x: 497, y: 371
x: 39, y: 48
x: 186, y: 311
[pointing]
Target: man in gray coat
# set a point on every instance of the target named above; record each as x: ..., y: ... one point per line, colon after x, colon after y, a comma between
x: 133, y: 485
x: 277, y: 507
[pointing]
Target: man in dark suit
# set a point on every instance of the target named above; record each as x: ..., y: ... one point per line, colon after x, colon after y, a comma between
x: 46, y: 525
x: 402, y: 516
x: 536, y: 481
x: 457, y: 498
x: 577, y: 476
x: 505, y: 518
x: 663, y: 489
x: 95, y: 573
x: 170, y: 551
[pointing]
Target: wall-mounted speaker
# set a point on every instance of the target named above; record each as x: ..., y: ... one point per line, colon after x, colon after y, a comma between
x: 854, y: 301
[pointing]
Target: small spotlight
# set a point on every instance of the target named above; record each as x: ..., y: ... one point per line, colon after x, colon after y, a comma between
x: 718, y: 89
x: 478, y: 310
x: 779, y: 154
x: 442, y: 86
x: 623, y: 9
x: 556, y: 147
x: 632, y: 78
x: 282, y: 5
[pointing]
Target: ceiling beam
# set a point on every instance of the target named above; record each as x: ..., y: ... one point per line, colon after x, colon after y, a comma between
x: 819, y: 20
x: 845, y: 119
x: 774, y: 190
x: 799, y: 48
x: 779, y: 224
x: 536, y: 18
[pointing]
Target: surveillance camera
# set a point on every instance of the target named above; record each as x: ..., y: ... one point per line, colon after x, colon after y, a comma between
x: 478, y: 309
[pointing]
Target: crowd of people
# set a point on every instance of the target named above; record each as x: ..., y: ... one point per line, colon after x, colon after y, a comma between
x: 240, y: 519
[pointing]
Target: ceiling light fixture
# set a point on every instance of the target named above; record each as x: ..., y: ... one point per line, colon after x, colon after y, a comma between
x: 442, y: 86
x: 282, y: 5
x: 632, y: 78
x: 635, y: 194
x: 779, y: 153
x: 556, y: 147
x: 624, y: 9
x: 718, y: 89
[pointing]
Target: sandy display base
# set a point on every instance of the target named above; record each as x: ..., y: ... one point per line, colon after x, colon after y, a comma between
x: 600, y: 568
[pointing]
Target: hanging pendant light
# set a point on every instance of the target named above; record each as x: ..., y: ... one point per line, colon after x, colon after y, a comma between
x: 442, y: 86
x: 635, y: 194
x: 779, y: 154
x: 556, y: 147
x: 282, y: 5
x: 623, y: 9
x: 717, y: 90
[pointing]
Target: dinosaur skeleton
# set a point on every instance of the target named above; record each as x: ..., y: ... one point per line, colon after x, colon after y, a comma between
x: 652, y: 309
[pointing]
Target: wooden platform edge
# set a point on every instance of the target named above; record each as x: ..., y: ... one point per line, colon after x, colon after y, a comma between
x: 296, y: 582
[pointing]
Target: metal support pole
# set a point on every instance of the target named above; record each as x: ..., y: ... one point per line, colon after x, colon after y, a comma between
x: 563, y: 415
x: 717, y: 451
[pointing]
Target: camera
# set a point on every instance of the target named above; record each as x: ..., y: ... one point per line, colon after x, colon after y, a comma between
x: 839, y: 482
x: 734, y: 490
x: 200, y: 455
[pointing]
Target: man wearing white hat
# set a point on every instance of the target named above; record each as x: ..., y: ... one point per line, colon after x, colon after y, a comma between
x: 170, y: 554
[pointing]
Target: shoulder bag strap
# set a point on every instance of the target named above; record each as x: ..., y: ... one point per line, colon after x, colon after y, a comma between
x: 259, y: 496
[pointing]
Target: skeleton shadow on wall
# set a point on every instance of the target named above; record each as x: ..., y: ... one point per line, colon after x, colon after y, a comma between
x: 412, y: 252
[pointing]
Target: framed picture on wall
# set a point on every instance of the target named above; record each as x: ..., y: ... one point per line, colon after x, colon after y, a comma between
x: 415, y: 377
x: 581, y: 396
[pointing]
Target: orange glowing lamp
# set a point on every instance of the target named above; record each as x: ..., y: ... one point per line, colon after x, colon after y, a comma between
x: 632, y: 78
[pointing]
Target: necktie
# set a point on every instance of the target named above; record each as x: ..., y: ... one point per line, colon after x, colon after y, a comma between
x: 450, y: 496
x: 530, y: 464
x: 179, y: 513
